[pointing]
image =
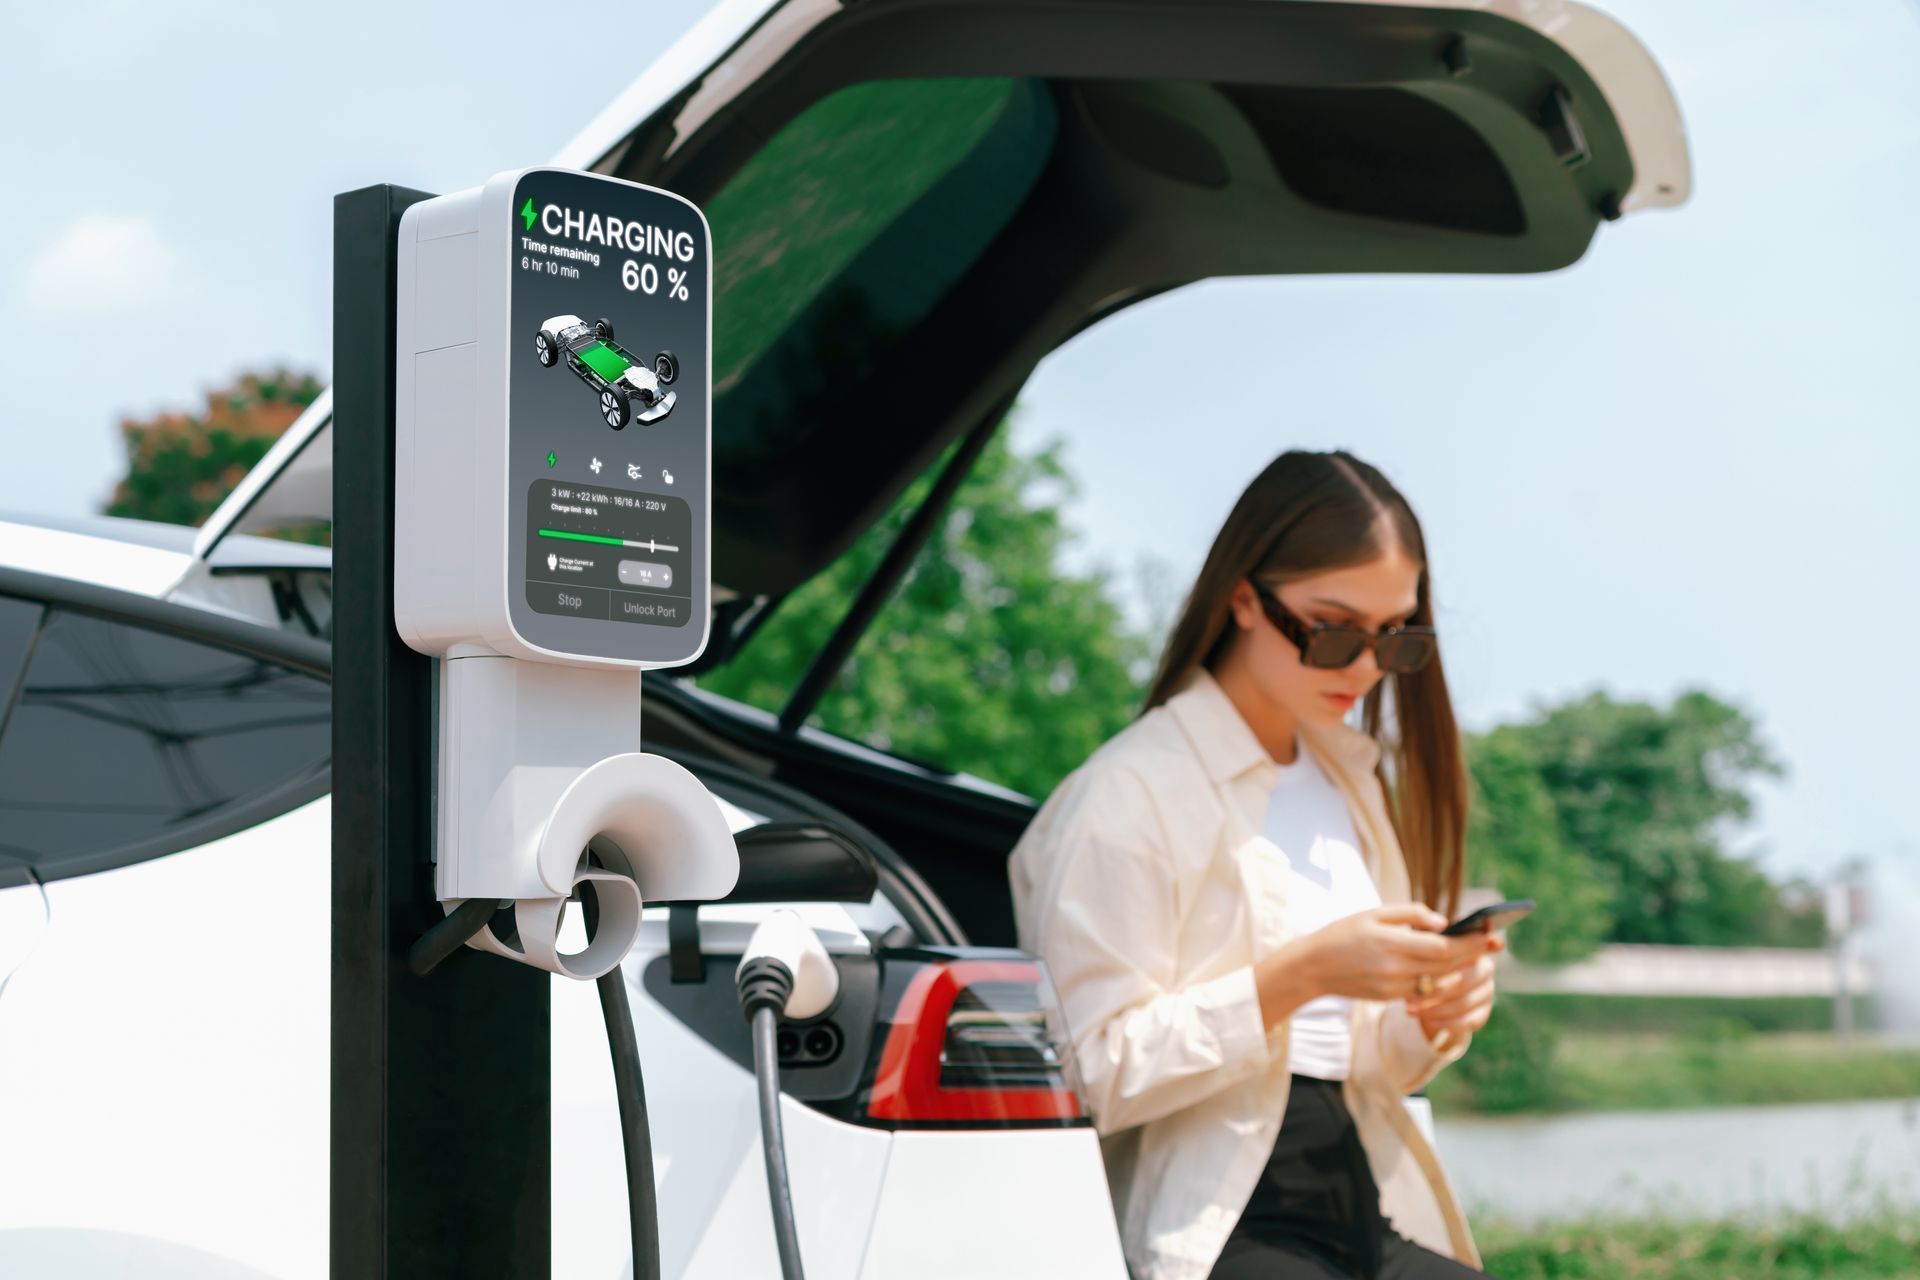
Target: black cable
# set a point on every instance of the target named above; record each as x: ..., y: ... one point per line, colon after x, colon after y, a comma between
x: 636, y: 1132
x: 448, y: 935
x: 643, y: 1211
x: 764, y: 984
x: 766, y: 1074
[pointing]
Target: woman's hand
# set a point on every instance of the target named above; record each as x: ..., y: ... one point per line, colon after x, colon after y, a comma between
x: 1370, y: 955
x: 1381, y: 954
x: 1463, y: 999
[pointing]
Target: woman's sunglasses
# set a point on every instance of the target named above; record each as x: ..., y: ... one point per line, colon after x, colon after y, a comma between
x: 1398, y: 650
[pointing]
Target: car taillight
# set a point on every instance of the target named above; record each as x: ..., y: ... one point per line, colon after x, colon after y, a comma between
x: 974, y: 1043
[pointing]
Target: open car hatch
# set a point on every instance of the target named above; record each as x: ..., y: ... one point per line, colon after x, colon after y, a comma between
x: 914, y: 201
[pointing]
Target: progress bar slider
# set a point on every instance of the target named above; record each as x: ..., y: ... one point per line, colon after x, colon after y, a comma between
x: 608, y: 542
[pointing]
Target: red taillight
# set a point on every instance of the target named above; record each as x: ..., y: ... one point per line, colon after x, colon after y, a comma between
x: 976, y: 1042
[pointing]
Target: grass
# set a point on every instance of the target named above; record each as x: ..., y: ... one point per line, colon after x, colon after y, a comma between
x: 1598, y: 1070
x: 1682, y: 1013
x: 1881, y: 1246
x: 1523, y: 1062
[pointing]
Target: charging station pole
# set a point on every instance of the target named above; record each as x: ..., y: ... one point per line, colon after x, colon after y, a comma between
x: 441, y: 1098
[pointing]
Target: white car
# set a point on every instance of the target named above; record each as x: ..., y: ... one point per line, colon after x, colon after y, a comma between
x: 164, y: 941
x: 886, y: 184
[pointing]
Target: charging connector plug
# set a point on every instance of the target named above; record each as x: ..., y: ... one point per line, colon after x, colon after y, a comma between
x: 786, y: 971
x: 764, y: 983
x: 786, y: 968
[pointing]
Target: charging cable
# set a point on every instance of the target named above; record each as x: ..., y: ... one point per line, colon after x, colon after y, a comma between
x: 785, y: 972
x: 449, y: 935
x: 643, y: 1214
x: 636, y: 1131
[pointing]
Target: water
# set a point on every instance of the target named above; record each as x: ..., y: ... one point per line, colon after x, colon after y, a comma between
x: 1837, y: 1159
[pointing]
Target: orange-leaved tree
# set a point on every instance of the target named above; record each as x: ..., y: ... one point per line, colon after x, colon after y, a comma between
x: 181, y: 465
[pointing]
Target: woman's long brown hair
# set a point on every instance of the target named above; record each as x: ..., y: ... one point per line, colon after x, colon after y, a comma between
x: 1308, y: 513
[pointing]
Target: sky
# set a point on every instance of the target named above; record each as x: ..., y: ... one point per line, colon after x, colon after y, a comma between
x: 1685, y: 462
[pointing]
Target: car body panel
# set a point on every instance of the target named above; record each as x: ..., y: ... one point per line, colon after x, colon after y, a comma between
x: 158, y: 561
x: 953, y: 1188
x: 97, y: 558
x: 738, y: 42
x: 710, y: 1173
x: 202, y: 1066
x: 1115, y: 217
x: 1636, y: 89
x: 165, y: 1048
x: 24, y: 918
x: 83, y: 1252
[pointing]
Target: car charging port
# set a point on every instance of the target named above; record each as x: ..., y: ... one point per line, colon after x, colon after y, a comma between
x: 808, y: 1045
x: 820, y: 1044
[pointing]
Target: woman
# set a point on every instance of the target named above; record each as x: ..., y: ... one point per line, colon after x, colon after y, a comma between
x: 1242, y: 925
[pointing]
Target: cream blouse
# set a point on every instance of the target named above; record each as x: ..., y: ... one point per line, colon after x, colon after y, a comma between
x: 1146, y: 886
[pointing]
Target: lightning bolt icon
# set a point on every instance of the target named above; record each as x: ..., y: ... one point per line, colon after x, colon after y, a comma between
x: 527, y: 215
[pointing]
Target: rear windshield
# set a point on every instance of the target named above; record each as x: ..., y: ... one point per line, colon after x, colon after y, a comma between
x: 848, y: 228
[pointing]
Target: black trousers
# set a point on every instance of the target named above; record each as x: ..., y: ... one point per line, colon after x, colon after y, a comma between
x: 1315, y: 1214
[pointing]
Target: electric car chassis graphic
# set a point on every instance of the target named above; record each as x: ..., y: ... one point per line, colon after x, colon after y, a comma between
x: 629, y: 390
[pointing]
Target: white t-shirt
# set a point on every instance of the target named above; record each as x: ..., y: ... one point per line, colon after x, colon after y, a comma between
x: 1327, y: 879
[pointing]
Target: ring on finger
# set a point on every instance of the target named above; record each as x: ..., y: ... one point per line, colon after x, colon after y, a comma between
x: 1424, y: 984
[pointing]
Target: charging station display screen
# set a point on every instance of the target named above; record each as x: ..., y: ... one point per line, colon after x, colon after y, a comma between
x: 608, y: 553
x: 609, y: 432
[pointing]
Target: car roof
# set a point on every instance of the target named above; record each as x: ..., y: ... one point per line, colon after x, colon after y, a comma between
x: 144, y: 557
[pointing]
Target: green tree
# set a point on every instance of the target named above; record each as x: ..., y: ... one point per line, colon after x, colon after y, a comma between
x: 180, y: 466
x: 1510, y: 1067
x: 1646, y: 795
x: 991, y: 657
x: 1514, y: 842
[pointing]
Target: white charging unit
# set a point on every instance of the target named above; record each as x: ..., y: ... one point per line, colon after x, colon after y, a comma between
x: 551, y: 526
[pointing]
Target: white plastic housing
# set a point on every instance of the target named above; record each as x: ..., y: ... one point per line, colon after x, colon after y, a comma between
x: 541, y: 762
x: 451, y: 401
x: 454, y: 496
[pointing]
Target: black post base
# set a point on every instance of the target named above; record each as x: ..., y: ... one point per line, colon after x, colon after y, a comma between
x: 441, y: 1105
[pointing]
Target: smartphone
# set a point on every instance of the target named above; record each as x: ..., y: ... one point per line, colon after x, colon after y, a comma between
x: 1497, y: 916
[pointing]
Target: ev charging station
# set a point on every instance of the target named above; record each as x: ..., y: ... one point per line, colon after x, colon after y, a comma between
x: 522, y: 507
x: 551, y: 541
